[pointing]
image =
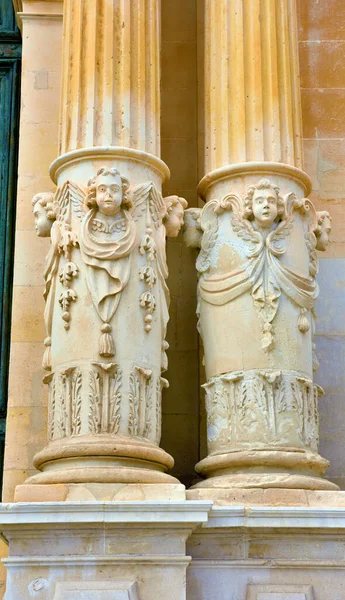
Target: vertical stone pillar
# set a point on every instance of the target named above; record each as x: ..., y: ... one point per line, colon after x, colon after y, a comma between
x: 252, y: 92
x: 258, y: 236
x: 111, y: 84
x: 106, y: 294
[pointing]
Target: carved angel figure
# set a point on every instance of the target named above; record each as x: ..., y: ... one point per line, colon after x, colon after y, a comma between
x: 262, y: 221
x: 323, y: 229
x: 107, y: 236
x: 172, y: 212
x: 45, y: 212
x: 173, y: 220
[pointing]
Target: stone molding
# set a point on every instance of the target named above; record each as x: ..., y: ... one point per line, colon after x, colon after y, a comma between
x: 105, y: 153
x: 145, y: 542
x: 253, y: 169
x: 70, y: 513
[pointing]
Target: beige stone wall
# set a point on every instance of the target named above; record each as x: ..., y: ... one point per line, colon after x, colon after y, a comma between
x: 322, y: 69
x: 27, y: 400
x: 26, y: 424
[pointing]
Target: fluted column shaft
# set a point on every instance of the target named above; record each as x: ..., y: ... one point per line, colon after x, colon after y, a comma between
x: 110, y: 91
x: 252, y: 95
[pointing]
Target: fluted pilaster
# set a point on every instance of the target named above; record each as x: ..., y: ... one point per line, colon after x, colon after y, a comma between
x: 110, y: 91
x: 252, y: 96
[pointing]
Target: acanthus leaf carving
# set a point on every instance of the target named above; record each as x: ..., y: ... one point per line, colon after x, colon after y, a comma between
x: 260, y: 407
x: 115, y: 402
x: 76, y: 404
x: 133, y: 416
x: 160, y: 384
x: 140, y: 402
x: 95, y: 402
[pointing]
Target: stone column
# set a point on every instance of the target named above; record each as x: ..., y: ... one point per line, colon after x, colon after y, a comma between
x: 106, y: 294
x: 258, y: 236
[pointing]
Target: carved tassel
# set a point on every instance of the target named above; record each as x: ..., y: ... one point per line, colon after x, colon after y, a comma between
x: 106, y: 342
x: 303, y: 323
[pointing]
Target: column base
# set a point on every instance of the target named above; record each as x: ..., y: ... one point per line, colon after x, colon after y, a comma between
x: 114, y: 492
x: 102, y: 459
x: 268, y: 497
x: 287, y: 468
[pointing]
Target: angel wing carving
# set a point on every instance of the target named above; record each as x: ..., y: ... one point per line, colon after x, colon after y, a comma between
x: 70, y: 195
x: 244, y: 229
x: 147, y: 193
x: 209, y: 227
x: 275, y: 238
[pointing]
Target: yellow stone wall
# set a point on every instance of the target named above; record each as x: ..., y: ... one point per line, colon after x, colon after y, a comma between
x: 179, y: 128
x: 322, y: 71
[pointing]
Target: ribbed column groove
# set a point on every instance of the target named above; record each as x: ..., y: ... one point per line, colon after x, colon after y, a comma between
x: 110, y: 92
x: 253, y: 110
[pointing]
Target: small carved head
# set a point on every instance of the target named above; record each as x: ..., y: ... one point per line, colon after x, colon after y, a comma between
x: 174, y: 218
x: 192, y: 228
x: 44, y: 212
x: 108, y: 191
x: 323, y: 229
x: 263, y: 203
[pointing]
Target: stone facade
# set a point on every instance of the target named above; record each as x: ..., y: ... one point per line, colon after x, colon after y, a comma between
x: 254, y: 428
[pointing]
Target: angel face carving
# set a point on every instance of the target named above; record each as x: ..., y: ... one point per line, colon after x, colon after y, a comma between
x: 263, y: 204
x: 323, y: 230
x: 174, y: 219
x: 107, y: 192
x: 265, y: 207
x: 44, y: 213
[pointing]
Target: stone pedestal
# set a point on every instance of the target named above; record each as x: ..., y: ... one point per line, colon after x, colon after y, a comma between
x: 99, y: 551
x: 269, y: 553
x: 176, y: 550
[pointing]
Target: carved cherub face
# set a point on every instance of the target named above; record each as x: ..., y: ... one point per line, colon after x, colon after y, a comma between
x: 265, y: 206
x: 109, y: 194
x: 174, y: 219
x: 43, y: 213
x: 323, y: 231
